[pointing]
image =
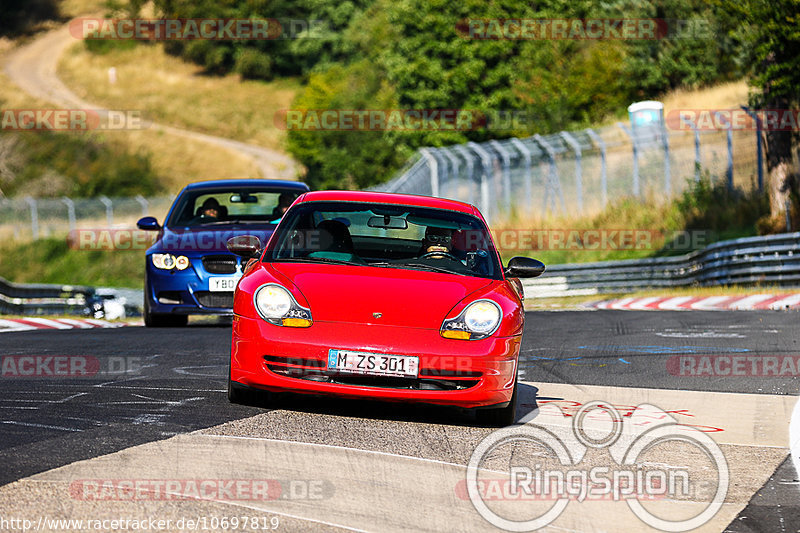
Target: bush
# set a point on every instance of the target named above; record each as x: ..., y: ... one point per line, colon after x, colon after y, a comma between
x: 56, y: 164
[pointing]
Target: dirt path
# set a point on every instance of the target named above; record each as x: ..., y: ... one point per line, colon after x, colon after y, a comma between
x: 33, y: 68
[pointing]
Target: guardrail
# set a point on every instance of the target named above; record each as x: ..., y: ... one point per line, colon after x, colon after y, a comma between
x: 769, y: 260
x: 47, y: 299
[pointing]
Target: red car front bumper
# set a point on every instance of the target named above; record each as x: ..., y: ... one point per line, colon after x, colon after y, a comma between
x: 481, y: 373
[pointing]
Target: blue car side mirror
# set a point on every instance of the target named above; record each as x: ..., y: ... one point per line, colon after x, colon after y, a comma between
x: 148, y: 224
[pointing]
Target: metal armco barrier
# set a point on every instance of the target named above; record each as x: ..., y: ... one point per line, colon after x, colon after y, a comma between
x: 770, y: 260
x: 47, y: 299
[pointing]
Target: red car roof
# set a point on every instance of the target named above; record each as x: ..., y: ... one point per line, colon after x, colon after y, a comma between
x: 387, y: 198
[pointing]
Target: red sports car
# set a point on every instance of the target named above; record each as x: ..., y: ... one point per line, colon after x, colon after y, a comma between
x: 382, y: 296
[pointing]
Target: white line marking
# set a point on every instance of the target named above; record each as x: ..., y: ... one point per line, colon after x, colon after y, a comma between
x: 794, y: 437
x: 750, y: 301
x: 642, y: 302
x: 333, y: 446
x: 76, y: 323
x: 13, y: 325
x: 620, y: 304
x: 789, y: 301
x: 45, y: 426
x: 68, y: 398
x: 47, y: 322
x: 103, y: 323
x: 710, y: 304
x: 673, y: 303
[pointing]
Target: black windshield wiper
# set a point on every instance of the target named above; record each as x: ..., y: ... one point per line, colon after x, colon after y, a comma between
x: 317, y: 260
x: 432, y: 268
x: 235, y: 221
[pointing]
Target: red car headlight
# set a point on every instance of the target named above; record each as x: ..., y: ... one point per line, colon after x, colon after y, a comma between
x: 477, y: 321
x: 277, y: 306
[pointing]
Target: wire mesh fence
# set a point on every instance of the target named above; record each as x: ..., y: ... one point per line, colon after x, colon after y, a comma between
x: 577, y: 173
x: 34, y: 218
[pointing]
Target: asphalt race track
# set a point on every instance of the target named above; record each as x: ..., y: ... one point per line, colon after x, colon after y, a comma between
x: 154, y: 387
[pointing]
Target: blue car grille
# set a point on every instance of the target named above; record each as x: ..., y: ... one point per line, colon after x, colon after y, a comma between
x: 219, y: 264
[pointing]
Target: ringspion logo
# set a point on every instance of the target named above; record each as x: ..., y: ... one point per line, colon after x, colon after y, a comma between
x: 544, y: 469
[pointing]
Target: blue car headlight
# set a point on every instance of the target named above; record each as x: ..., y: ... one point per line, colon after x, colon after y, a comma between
x: 169, y: 261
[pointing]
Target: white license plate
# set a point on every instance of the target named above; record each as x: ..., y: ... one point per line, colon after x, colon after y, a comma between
x: 373, y: 364
x: 223, y: 283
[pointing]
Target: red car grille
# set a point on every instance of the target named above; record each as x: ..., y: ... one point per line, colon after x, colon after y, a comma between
x: 315, y: 370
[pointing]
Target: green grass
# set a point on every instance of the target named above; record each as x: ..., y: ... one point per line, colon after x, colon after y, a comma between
x: 52, y: 261
x: 703, y: 214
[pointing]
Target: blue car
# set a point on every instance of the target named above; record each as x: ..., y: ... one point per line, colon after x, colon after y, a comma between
x: 189, y: 270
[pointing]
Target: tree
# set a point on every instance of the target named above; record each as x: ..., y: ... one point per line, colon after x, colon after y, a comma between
x: 773, y: 31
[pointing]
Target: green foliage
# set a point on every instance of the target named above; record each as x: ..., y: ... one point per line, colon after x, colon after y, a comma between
x: 346, y: 159
x: 772, y: 30
x: 699, y: 47
x: 415, y: 54
x: 311, y: 35
x: 704, y: 213
x: 56, y: 164
x: 709, y: 205
x: 416, y: 49
x: 19, y: 16
x: 53, y: 261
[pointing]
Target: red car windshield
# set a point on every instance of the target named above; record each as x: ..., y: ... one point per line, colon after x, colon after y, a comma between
x: 386, y: 235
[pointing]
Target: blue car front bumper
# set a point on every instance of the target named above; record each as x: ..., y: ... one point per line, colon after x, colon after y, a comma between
x: 195, y: 290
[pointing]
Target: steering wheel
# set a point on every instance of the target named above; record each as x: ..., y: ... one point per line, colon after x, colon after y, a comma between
x: 446, y: 254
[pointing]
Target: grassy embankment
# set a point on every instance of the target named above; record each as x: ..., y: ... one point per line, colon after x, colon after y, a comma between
x: 167, y: 90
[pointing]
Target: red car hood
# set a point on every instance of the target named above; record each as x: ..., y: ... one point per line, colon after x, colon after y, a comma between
x: 410, y: 298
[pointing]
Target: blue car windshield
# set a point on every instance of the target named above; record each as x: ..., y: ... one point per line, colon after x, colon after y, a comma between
x: 387, y: 236
x: 209, y: 207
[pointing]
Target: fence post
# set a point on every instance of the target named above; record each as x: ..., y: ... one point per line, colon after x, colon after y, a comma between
x: 576, y: 147
x: 144, y: 203
x: 635, y: 146
x: 469, y: 158
x: 759, y: 148
x: 603, y: 171
x: 433, y: 165
x: 526, y: 155
x: 34, y: 217
x: 486, y: 160
x: 697, y: 161
x: 453, y: 165
x: 553, y: 185
x: 667, y: 173
x: 506, y: 157
x: 106, y: 201
x: 70, y: 212
x: 730, y: 148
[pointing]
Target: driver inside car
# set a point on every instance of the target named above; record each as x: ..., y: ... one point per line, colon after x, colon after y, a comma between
x: 438, y: 244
